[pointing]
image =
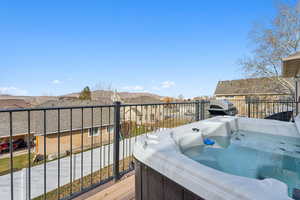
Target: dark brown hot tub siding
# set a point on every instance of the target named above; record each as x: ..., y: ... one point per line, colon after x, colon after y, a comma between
x: 151, y: 185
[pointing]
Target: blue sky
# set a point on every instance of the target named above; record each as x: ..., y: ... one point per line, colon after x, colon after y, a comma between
x: 166, y: 47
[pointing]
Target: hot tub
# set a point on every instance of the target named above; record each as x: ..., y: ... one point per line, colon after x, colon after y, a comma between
x: 220, y: 158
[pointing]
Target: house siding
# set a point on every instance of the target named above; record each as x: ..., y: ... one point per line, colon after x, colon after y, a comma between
x: 65, y: 140
x: 143, y: 114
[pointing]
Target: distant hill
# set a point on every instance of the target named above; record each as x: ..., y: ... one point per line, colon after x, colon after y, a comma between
x: 14, y: 103
x: 99, y: 95
x: 32, y: 100
x: 105, y: 96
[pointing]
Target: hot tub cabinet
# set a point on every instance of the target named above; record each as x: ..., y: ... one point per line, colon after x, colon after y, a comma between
x: 163, y: 171
x: 151, y: 185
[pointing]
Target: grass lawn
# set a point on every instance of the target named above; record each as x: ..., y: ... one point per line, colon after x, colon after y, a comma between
x: 19, y: 162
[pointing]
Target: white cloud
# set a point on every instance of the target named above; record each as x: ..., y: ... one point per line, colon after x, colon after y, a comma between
x: 133, y: 88
x: 13, y: 91
x: 56, y: 82
x: 156, y: 88
x: 167, y: 84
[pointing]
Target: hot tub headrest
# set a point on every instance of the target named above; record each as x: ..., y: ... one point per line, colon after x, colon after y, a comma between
x: 187, y: 138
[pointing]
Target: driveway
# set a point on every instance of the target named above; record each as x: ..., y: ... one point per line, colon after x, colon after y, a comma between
x: 102, y: 157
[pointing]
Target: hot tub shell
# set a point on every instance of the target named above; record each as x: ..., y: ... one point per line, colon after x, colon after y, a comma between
x: 162, y: 154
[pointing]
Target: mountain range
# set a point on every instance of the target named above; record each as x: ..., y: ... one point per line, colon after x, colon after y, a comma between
x: 103, y: 96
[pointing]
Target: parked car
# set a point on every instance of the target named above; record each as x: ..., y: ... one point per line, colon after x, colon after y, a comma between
x: 4, y: 147
x: 222, y: 107
x: 19, y: 143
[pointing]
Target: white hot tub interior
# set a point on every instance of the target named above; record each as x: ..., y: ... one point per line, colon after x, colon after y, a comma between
x: 228, y: 157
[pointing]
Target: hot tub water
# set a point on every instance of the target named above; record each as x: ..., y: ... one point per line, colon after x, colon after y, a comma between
x: 253, y: 155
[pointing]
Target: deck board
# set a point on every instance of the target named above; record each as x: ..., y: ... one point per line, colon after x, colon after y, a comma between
x: 123, y: 190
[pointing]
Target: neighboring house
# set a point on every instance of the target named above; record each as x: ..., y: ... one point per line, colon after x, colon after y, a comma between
x: 86, y: 129
x: 141, y: 113
x: 99, y: 130
x: 155, y: 112
x: 202, y: 98
x: 257, y: 88
x: 240, y: 91
x: 142, y: 100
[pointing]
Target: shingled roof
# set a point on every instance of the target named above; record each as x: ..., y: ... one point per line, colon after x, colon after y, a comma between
x: 19, y: 123
x: 101, y: 117
x: 252, y: 86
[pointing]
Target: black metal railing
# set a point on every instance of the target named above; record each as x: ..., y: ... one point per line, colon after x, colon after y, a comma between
x: 267, y: 109
x: 69, y: 150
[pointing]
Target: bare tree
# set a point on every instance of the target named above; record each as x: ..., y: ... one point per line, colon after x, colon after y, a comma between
x: 180, y: 97
x: 105, y: 92
x: 277, y: 39
x: 101, y: 85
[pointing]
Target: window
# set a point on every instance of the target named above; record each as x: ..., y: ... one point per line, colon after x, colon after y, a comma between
x: 110, y: 129
x: 94, y: 132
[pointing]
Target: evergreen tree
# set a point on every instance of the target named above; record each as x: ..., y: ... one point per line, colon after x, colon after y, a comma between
x: 85, y: 94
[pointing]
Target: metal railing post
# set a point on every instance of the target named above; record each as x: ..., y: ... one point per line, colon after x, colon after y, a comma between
x: 249, y: 106
x: 297, y: 107
x: 202, y: 110
x: 197, y: 110
x: 116, y: 144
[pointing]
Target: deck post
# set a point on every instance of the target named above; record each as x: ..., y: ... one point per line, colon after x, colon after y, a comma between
x: 116, y: 144
x: 249, y: 107
x: 203, y: 102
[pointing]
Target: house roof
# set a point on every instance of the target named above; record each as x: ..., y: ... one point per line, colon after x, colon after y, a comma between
x: 19, y: 123
x: 252, y: 86
x: 101, y: 117
x: 292, y: 57
x: 291, y: 65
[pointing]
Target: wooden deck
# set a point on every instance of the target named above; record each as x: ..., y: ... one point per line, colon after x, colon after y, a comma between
x: 122, y: 190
